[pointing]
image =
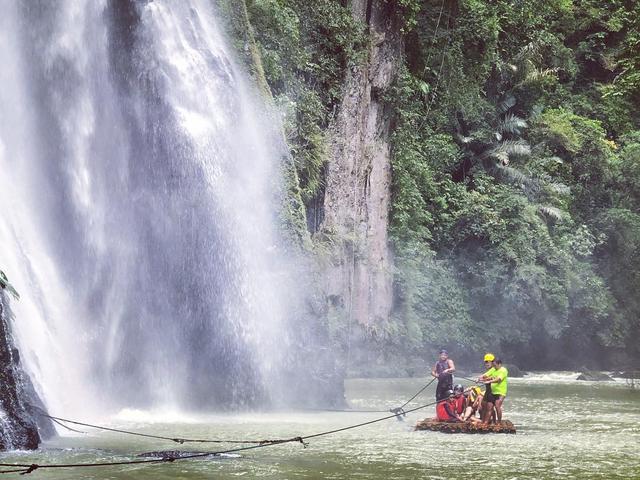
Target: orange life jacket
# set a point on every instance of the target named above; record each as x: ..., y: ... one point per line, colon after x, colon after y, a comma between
x: 442, y: 413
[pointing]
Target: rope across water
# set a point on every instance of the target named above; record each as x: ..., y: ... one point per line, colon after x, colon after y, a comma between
x: 25, y: 469
x: 179, y: 440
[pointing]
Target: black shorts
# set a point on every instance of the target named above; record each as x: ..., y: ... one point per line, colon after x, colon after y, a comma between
x: 442, y: 388
x: 490, y: 397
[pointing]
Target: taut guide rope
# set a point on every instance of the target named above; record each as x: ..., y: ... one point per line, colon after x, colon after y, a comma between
x: 24, y: 469
x: 398, y: 411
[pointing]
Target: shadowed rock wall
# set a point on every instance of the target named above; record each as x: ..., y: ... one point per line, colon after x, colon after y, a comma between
x: 358, y: 183
x: 19, y: 428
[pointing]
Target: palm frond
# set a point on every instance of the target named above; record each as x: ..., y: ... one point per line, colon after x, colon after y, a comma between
x: 511, y: 124
x: 551, y: 212
x: 559, y: 188
x: 505, y: 149
x: 506, y: 103
x: 513, y: 175
x: 501, y: 156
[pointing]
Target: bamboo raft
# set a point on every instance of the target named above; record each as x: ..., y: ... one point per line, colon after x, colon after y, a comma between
x: 504, y: 426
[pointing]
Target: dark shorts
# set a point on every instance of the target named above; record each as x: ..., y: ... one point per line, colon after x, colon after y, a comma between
x: 443, y: 386
x: 490, y: 397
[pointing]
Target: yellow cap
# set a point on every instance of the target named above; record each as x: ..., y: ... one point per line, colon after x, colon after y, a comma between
x: 489, y: 357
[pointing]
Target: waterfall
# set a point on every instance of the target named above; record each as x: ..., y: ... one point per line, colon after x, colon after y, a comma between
x: 139, y: 206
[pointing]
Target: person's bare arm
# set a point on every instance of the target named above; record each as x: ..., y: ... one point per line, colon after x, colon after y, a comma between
x: 433, y: 372
x: 452, y: 367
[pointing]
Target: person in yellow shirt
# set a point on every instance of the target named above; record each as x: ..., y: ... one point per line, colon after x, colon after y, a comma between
x: 495, y: 380
x: 499, y: 386
x: 487, y: 406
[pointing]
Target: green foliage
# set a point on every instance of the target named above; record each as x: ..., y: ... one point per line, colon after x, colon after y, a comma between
x: 572, y: 133
x: 514, y: 103
x: 408, y: 11
x: 588, y: 158
x: 306, y: 48
x: 433, y: 307
x: 515, y: 165
x: 629, y: 171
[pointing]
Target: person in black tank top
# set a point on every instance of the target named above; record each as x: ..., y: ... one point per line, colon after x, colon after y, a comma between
x: 443, y: 371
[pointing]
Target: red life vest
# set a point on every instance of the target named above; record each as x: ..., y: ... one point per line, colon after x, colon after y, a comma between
x: 441, y: 411
x: 459, y: 404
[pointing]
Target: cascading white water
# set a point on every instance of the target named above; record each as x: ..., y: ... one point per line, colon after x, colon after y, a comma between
x: 137, y: 217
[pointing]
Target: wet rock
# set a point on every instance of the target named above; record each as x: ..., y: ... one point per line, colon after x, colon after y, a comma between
x: 20, y: 427
x: 592, y: 376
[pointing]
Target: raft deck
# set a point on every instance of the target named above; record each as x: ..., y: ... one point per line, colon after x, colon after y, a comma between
x: 504, y: 426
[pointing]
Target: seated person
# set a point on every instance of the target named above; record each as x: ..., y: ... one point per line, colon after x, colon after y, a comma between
x: 446, y: 409
x: 474, y: 401
x: 461, y: 400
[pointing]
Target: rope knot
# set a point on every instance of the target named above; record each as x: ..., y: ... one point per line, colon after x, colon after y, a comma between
x: 398, y: 411
x: 32, y: 468
x: 301, y: 440
x: 178, y: 440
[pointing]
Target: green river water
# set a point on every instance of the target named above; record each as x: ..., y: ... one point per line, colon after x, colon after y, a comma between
x: 566, y: 429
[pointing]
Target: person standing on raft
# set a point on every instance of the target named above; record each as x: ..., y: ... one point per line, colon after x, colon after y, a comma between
x: 499, y: 386
x: 443, y: 371
x: 495, y: 379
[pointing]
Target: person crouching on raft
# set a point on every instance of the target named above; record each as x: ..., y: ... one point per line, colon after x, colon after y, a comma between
x: 461, y: 401
x: 443, y: 371
x: 446, y: 409
x: 474, y: 401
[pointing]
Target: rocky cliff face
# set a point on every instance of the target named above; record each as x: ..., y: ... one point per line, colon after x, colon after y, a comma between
x: 358, y: 182
x: 19, y: 427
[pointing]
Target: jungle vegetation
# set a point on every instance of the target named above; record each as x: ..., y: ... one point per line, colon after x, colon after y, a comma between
x: 515, y: 221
